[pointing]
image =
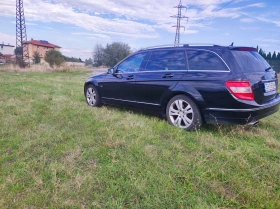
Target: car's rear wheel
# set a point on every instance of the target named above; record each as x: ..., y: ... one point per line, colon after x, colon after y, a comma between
x: 92, y: 96
x: 182, y: 112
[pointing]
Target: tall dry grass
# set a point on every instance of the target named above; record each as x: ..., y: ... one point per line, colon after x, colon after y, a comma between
x: 42, y: 68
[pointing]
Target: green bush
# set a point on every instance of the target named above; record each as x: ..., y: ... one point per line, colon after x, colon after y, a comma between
x: 54, y: 57
x: 36, y: 57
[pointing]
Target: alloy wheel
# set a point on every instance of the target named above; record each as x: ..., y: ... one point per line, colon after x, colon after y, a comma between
x: 181, y: 114
x: 91, y: 96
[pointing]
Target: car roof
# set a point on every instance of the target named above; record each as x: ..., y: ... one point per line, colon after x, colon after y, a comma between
x: 206, y: 47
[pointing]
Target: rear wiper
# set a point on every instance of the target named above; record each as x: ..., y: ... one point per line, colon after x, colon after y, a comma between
x: 267, y: 69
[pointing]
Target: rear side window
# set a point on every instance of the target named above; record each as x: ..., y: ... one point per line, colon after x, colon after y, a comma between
x: 250, y: 61
x: 205, y: 61
x: 167, y: 60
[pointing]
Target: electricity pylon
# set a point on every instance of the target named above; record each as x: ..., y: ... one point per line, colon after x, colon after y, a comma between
x: 179, y: 16
x: 22, y: 55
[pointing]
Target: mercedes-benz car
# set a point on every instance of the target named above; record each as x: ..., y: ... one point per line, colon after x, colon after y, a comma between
x: 191, y: 85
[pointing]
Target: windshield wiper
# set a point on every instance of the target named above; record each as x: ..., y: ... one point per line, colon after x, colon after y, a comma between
x: 268, y: 69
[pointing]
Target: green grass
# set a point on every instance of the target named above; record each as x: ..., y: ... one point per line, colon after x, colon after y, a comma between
x: 57, y: 152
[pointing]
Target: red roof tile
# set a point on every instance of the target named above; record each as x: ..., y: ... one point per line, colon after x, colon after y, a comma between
x: 42, y: 43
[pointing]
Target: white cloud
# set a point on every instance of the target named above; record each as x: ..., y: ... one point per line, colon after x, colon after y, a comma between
x: 268, y: 40
x: 247, y: 20
x: 7, y: 39
x: 261, y: 19
x: 138, y: 18
x: 249, y: 28
x: 47, y: 12
x: 263, y: 45
x: 257, y: 5
x: 66, y: 50
x: 92, y: 35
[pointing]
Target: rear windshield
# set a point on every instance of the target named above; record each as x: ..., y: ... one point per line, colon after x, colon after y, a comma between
x: 250, y: 61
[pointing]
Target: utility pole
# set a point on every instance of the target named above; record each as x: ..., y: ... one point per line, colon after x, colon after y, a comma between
x: 22, y: 55
x: 179, y: 16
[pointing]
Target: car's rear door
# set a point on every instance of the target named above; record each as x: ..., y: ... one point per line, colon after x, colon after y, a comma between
x: 260, y: 74
x: 163, y: 70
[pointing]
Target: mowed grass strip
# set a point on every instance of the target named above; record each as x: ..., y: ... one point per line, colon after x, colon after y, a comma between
x: 57, y: 152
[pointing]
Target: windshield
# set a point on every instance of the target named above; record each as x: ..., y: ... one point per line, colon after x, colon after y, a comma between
x: 250, y: 61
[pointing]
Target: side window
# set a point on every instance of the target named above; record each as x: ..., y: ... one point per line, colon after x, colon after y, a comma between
x: 132, y: 64
x: 203, y: 60
x: 167, y: 60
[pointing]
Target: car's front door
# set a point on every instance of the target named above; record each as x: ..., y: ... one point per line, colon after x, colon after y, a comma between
x: 119, y: 87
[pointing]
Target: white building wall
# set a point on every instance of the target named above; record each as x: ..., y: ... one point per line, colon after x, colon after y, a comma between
x: 6, y: 49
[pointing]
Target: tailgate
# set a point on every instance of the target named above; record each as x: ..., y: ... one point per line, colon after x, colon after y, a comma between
x: 261, y: 75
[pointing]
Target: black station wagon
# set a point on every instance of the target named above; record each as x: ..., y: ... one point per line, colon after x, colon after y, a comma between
x: 191, y: 85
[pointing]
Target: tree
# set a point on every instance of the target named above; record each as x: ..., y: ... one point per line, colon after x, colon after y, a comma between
x: 97, y: 54
x: 262, y: 53
x: 36, y: 57
x: 18, y: 51
x: 274, y: 57
x: 88, y: 62
x: 71, y: 59
x: 269, y: 57
x: 278, y: 56
x: 115, y: 52
x: 54, y: 57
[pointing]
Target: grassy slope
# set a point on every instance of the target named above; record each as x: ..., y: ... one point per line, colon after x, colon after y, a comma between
x: 55, y: 151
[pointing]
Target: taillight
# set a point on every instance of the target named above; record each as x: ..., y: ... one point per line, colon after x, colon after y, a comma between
x: 241, y: 89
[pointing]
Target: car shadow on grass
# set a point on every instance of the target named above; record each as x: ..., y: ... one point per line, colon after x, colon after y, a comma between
x: 222, y: 129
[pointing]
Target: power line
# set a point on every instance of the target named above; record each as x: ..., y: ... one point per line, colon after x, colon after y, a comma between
x: 206, y: 7
x: 221, y: 8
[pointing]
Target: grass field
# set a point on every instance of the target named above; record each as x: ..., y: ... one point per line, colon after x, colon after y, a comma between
x: 57, y: 152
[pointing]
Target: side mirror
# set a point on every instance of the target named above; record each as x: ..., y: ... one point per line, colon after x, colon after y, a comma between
x: 110, y: 71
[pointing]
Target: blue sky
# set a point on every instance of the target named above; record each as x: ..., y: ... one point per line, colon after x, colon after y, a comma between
x: 77, y: 25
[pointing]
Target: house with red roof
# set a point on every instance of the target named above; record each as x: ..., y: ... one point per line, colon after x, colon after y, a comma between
x: 40, y: 46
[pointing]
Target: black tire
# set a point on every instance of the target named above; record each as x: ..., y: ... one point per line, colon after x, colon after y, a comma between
x: 181, y: 111
x: 92, y: 96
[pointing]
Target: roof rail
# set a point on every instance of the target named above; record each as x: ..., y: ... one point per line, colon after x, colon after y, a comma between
x: 200, y: 44
x: 180, y: 45
x: 158, y: 46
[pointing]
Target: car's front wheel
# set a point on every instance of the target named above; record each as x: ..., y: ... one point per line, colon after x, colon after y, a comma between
x: 182, y: 112
x: 92, y: 96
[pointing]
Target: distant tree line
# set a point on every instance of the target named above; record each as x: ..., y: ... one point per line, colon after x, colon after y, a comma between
x: 269, y: 55
x: 72, y: 59
x: 111, y: 54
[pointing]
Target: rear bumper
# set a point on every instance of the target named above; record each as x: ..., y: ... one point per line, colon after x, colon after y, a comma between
x: 241, y: 116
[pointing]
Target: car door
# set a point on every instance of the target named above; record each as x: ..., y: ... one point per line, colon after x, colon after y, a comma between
x: 163, y: 70
x: 119, y: 87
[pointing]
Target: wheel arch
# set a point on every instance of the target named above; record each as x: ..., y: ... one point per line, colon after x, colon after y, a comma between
x: 194, y: 95
x: 91, y: 82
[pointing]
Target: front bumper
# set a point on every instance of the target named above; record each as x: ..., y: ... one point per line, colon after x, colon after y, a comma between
x: 241, y: 116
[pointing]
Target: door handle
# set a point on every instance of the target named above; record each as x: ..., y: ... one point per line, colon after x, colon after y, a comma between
x: 169, y: 75
x: 130, y: 77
